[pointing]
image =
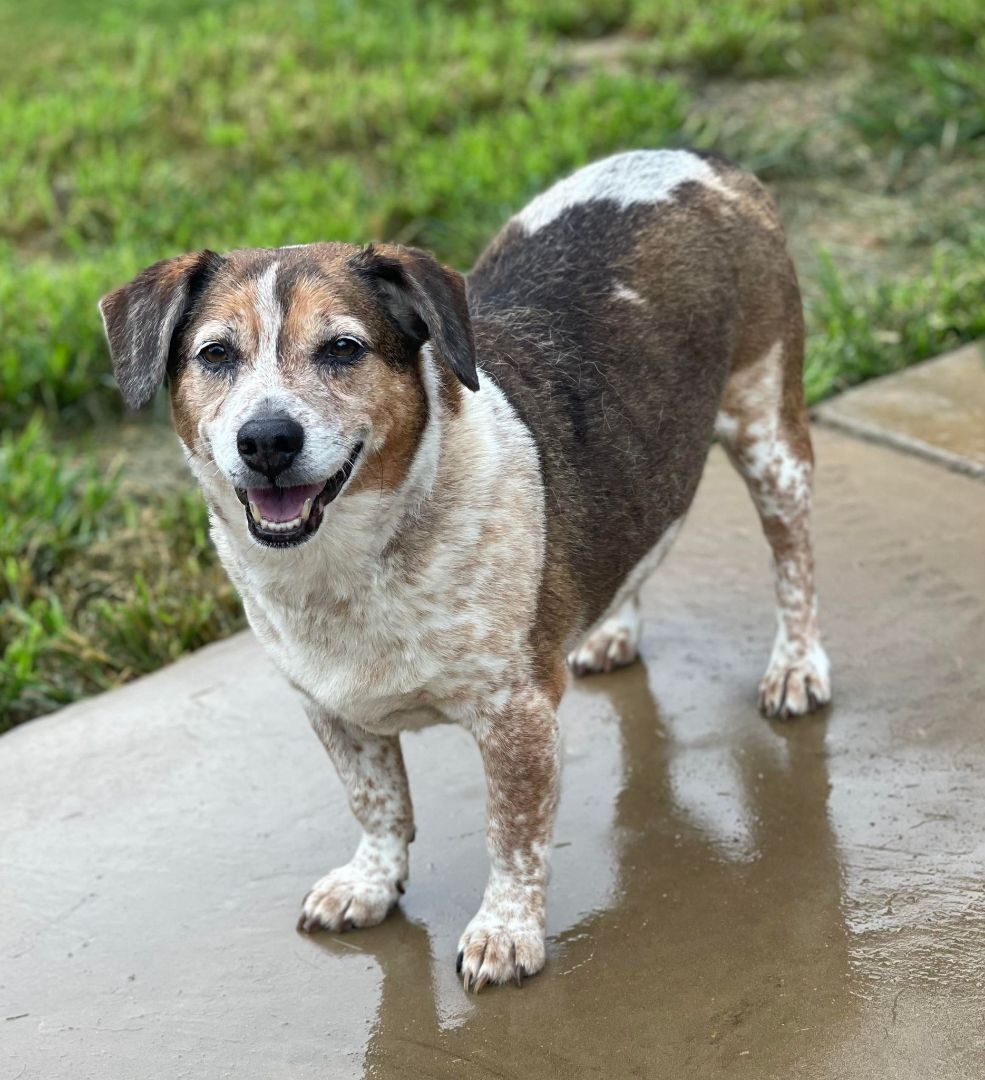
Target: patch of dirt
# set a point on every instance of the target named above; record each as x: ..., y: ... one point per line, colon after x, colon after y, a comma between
x: 146, y: 447
x: 837, y: 195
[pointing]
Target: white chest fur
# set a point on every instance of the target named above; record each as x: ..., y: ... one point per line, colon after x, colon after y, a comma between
x: 408, y: 607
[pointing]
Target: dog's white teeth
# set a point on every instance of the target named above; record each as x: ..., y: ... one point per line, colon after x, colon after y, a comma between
x: 306, y: 509
x: 255, y: 512
x: 280, y: 526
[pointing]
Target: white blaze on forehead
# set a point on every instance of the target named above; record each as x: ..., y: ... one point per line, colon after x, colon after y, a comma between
x: 269, y: 318
x: 640, y: 176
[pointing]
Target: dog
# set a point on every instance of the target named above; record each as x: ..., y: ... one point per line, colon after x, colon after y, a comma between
x: 432, y: 491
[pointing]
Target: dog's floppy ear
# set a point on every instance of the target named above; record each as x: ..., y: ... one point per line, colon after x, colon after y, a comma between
x: 140, y: 320
x: 425, y: 299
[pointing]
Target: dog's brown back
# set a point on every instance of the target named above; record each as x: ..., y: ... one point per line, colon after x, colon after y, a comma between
x: 613, y: 330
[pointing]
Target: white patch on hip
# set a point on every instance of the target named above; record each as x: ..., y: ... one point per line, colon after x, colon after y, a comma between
x: 624, y: 292
x: 640, y: 176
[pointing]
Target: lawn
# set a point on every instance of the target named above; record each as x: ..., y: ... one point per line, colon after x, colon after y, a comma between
x: 133, y: 131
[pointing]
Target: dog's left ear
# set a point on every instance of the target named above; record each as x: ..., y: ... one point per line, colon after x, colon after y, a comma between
x: 141, y: 318
x: 425, y: 299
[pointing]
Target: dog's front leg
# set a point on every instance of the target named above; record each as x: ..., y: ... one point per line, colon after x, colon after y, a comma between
x: 362, y: 892
x: 521, y: 754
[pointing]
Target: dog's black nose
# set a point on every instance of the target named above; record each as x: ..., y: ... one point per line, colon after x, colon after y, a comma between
x: 270, y: 443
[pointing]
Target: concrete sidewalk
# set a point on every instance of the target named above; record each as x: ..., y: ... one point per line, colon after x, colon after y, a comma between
x: 935, y: 410
x: 730, y: 898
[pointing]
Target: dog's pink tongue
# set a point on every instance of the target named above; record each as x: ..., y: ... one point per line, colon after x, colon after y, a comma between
x: 282, y: 504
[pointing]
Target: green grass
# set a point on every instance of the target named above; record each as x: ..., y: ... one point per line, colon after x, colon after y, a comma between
x: 96, y: 585
x: 859, y: 331
x: 136, y: 130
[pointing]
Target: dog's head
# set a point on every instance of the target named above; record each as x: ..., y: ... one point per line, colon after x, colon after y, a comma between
x: 296, y: 374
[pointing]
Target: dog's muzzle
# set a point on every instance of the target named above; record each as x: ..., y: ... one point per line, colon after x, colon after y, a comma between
x: 282, y: 516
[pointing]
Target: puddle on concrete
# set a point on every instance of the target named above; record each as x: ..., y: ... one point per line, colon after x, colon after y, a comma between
x: 696, y: 907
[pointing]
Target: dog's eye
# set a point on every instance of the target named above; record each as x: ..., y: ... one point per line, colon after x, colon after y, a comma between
x: 345, y: 348
x: 214, y: 353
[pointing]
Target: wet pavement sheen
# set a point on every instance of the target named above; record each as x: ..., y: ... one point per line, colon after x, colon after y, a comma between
x: 730, y: 897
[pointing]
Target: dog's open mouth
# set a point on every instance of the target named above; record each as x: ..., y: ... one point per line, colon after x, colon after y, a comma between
x: 285, y: 516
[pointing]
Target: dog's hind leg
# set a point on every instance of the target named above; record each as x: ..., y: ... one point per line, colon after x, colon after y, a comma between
x: 615, y: 639
x: 762, y: 424
x: 613, y: 643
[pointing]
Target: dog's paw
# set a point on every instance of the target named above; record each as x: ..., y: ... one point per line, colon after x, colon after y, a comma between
x: 612, y: 645
x: 347, y: 898
x: 496, y: 950
x: 793, y: 686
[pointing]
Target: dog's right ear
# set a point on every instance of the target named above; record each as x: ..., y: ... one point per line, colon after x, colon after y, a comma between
x: 425, y: 299
x: 141, y: 318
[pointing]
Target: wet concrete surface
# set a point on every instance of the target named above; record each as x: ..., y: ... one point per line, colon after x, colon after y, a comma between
x: 731, y: 897
x: 935, y: 409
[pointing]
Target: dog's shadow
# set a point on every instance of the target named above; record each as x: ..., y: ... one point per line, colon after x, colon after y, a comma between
x: 727, y: 940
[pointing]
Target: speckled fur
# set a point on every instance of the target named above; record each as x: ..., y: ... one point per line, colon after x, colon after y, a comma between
x: 610, y: 330
x: 774, y: 458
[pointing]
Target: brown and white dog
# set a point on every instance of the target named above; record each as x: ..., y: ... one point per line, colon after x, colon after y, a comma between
x: 430, y: 491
